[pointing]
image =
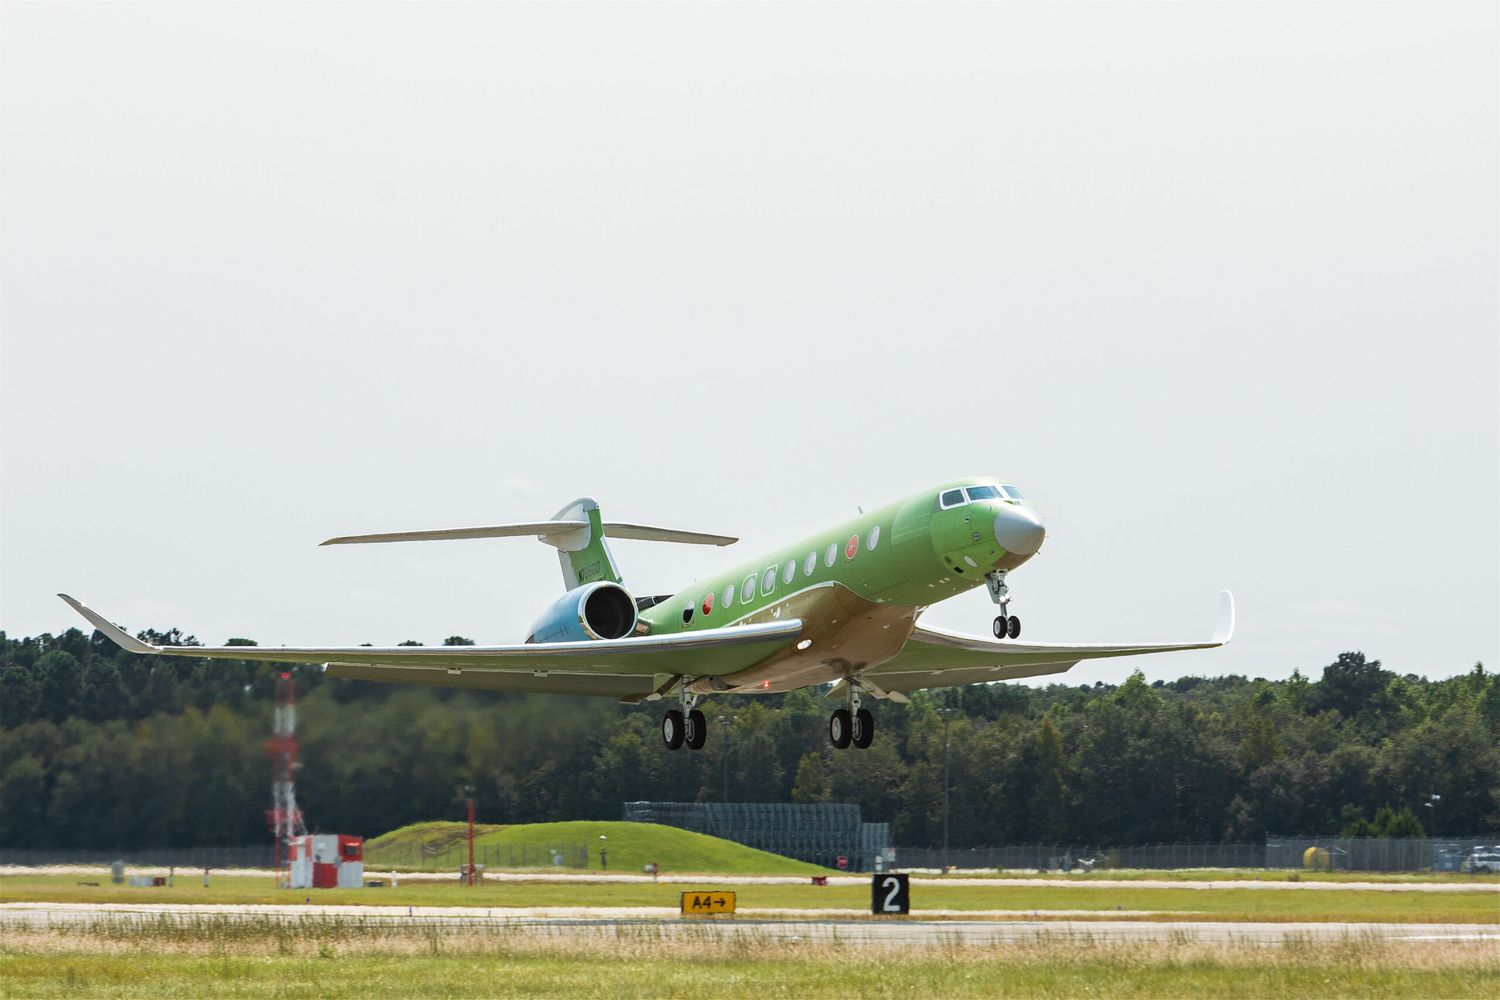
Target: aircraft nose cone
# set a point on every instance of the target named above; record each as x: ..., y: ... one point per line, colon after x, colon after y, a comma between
x: 1019, y: 531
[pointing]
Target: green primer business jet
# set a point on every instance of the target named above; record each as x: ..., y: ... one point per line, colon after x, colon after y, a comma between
x: 840, y: 608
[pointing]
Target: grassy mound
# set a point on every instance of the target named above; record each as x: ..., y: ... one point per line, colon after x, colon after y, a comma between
x: 627, y: 847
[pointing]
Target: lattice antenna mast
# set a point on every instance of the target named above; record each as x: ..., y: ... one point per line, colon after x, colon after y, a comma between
x: 284, y: 816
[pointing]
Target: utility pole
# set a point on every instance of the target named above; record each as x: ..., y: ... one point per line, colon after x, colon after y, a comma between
x: 945, y: 713
x: 1432, y: 800
x: 726, y: 721
x: 469, y: 873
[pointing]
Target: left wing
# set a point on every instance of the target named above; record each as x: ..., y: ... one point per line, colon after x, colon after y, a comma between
x: 935, y: 657
x: 634, y: 667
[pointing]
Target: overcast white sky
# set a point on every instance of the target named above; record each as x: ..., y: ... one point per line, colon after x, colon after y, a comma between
x: 1216, y: 284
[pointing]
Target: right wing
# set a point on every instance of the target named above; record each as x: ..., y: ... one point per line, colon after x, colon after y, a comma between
x: 936, y: 657
x: 632, y: 668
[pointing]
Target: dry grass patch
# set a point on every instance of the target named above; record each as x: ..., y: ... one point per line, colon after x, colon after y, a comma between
x: 347, y: 959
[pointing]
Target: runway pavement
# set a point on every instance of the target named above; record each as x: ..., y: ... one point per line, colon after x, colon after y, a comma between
x: 1271, y: 882
x: 991, y: 927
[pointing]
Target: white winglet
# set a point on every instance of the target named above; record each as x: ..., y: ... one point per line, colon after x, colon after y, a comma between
x: 1224, y: 627
x: 113, y: 632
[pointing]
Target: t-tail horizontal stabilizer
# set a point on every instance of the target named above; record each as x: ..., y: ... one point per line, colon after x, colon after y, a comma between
x: 576, y: 531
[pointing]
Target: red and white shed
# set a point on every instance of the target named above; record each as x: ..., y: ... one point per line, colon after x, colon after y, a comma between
x: 326, y: 861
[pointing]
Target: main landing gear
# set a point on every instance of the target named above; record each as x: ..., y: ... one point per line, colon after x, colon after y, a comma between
x: 1006, y: 626
x: 686, y: 725
x: 852, y: 724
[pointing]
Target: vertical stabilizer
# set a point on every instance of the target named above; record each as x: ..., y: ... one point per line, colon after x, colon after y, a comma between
x: 584, y: 553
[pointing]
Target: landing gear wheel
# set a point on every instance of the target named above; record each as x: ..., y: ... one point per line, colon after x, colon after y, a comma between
x: 671, y: 729
x: 1014, y: 628
x: 838, y: 729
x: 1001, y: 624
x: 864, y: 729
x: 696, y: 730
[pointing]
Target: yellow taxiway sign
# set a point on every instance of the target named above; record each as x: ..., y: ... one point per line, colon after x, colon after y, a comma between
x: 707, y: 902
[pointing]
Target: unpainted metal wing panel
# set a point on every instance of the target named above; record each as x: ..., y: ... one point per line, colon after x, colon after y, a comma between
x: 720, y: 650
x: 605, y: 685
x: 936, y: 657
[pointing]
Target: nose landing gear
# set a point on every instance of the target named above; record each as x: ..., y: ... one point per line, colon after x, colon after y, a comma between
x: 1006, y: 626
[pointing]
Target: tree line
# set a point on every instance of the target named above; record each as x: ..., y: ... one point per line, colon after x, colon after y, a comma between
x: 104, y: 749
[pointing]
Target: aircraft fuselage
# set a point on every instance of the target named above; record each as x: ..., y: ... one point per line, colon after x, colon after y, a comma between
x: 860, y: 586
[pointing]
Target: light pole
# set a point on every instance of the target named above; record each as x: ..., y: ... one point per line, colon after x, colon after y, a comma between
x: 945, y: 712
x: 469, y: 800
x: 726, y: 721
x: 1432, y: 800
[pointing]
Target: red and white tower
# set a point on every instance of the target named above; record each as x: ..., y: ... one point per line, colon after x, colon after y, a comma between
x: 284, y: 816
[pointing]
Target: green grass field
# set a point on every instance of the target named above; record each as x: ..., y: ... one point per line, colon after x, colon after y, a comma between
x: 225, y: 959
x: 338, y: 956
x: 630, y: 846
x: 1482, y: 905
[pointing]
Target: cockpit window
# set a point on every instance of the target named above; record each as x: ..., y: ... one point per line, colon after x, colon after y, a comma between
x: 984, y: 493
x: 1014, y: 493
x: 952, y: 498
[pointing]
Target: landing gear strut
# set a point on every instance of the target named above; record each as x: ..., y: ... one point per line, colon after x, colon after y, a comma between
x: 1006, y: 626
x: 853, y: 724
x: 686, y: 725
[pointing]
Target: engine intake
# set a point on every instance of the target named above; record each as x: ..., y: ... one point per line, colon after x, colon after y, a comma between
x: 599, y: 610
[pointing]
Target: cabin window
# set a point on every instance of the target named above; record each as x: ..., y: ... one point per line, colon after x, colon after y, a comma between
x: 984, y: 493
x: 951, y: 498
x: 831, y: 556
x: 728, y: 595
x: 790, y: 572
x: 809, y: 564
x: 874, y: 538
x: 768, y: 581
x: 1014, y: 493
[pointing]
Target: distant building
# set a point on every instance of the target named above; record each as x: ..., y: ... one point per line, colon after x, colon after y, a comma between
x: 818, y: 833
x: 326, y: 861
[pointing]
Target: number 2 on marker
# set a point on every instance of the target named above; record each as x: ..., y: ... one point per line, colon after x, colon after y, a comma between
x: 890, y: 894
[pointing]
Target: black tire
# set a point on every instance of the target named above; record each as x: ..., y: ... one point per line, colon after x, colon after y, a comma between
x: 839, y: 725
x: 671, y: 729
x: 864, y: 729
x: 695, y: 730
x: 999, y: 627
x: 1013, y: 629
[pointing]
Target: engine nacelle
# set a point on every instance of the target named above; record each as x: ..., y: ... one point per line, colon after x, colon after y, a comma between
x: 599, y: 610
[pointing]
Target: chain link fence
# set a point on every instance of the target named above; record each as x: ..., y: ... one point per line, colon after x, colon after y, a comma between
x: 1381, y: 854
x: 824, y: 833
x: 252, y: 856
x: 431, y: 856
x: 449, y: 853
x: 818, y: 833
x: 1066, y: 857
x: 1414, y: 854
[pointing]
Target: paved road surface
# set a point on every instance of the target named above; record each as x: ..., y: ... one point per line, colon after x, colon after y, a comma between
x: 863, y: 880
